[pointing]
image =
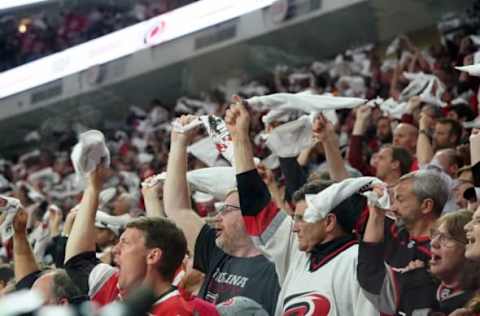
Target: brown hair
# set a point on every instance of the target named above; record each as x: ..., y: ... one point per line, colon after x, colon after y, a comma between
x: 163, y: 234
x: 454, y: 223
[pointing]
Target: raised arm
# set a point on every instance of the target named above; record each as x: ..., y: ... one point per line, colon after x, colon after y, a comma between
x: 304, y: 156
x: 238, y: 123
x: 355, y: 151
x: 323, y: 130
x: 374, y: 229
x: 264, y: 221
x: 23, y: 257
x: 82, y: 235
x: 424, y: 144
x: 253, y: 192
x: 152, y: 196
x: 175, y: 191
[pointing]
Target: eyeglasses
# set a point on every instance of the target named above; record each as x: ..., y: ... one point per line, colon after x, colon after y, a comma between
x: 297, y: 218
x: 444, y: 239
x: 228, y: 208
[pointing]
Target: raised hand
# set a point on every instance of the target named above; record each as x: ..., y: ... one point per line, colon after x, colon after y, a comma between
x: 425, y: 121
x: 67, y: 227
x: 152, y: 187
x: 185, y: 136
x: 55, y: 218
x: 362, y: 115
x: 266, y: 174
x: 323, y: 129
x: 96, y: 178
x: 413, y: 103
x: 237, y: 119
x: 20, y: 223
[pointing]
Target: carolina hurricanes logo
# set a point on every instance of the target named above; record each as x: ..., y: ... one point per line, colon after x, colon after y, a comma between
x: 307, y: 304
x: 154, y: 33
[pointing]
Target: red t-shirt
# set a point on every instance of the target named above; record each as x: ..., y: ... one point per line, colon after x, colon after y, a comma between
x: 103, y: 285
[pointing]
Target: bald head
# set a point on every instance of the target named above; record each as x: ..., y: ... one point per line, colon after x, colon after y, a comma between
x: 449, y: 161
x: 405, y: 135
x: 56, y: 287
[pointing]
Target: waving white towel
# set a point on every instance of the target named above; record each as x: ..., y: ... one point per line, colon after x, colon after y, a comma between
x: 89, y: 152
x: 473, y: 70
x: 319, y: 205
x: 289, y: 139
x: 10, y: 206
x: 217, y: 181
x: 308, y: 103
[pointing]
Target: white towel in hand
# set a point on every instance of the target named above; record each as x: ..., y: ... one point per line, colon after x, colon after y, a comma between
x: 319, y: 205
x: 89, y: 152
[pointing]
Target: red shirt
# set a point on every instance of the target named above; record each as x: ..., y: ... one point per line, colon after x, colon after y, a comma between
x: 103, y: 284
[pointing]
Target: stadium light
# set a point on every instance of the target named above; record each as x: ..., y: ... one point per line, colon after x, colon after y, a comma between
x: 9, y: 4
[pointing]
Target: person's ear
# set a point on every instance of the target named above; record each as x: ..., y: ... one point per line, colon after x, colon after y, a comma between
x: 330, y: 223
x: 154, y: 256
x: 427, y: 206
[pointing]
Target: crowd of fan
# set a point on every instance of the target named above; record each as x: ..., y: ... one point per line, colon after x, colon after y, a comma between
x: 27, y: 38
x: 372, y: 208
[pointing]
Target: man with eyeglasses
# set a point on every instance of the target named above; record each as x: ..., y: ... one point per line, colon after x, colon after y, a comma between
x: 233, y: 266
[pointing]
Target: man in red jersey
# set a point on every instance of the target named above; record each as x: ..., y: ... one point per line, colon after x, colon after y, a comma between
x: 148, y: 254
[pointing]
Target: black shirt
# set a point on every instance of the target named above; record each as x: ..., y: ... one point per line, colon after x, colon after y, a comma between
x: 227, y: 276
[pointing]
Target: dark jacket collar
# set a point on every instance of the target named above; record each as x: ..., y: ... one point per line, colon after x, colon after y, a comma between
x: 324, y: 252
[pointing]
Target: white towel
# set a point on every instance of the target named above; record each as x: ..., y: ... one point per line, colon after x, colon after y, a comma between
x: 217, y: 181
x: 179, y: 128
x: 205, y: 151
x: 475, y: 40
x: 106, y: 196
x: 271, y: 162
x: 218, y: 132
x: 472, y: 124
x: 393, y: 47
x: 289, y: 139
x: 308, y: 103
x: 422, y: 84
x: 114, y: 223
x: 473, y: 70
x: 10, y: 206
x: 89, y: 152
x: 390, y: 107
x: 21, y: 302
x: 319, y: 205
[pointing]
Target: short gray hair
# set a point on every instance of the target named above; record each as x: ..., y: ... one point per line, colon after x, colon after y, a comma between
x: 429, y: 184
x: 63, y: 286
